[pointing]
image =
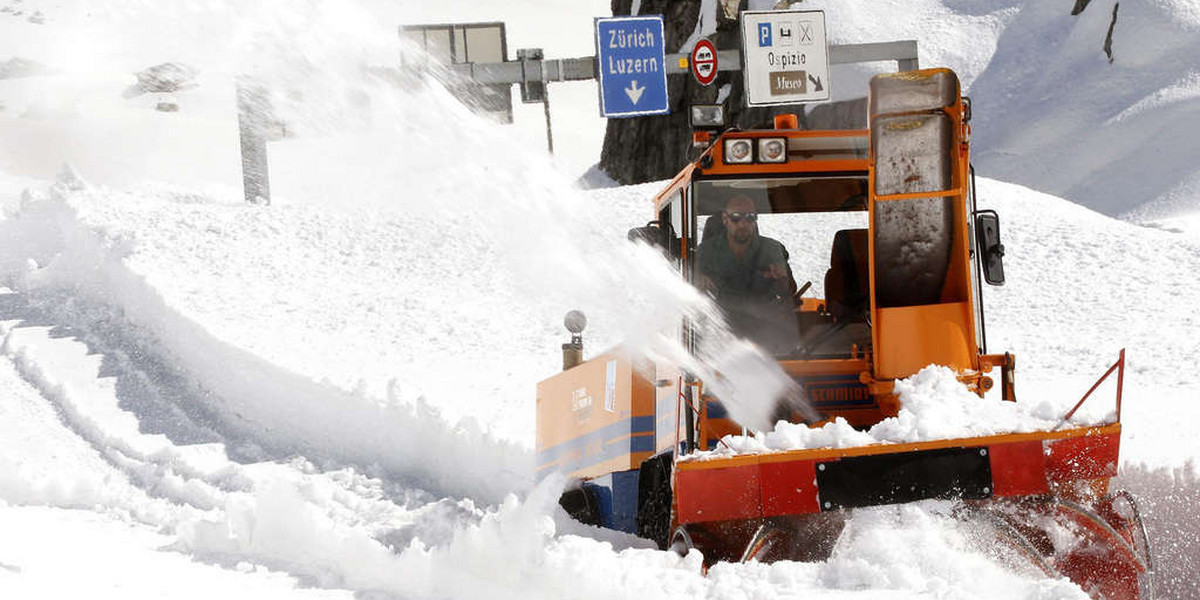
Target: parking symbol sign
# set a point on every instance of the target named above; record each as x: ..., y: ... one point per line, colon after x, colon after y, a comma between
x: 764, y: 34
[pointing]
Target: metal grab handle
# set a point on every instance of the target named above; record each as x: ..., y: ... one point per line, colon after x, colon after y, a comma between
x: 1118, y: 366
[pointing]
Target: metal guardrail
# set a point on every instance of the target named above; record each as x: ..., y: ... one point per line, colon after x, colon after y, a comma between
x: 530, y: 73
x: 903, y: 53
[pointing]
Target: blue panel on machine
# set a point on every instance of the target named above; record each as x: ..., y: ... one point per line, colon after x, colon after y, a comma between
x: 631, y: 66
x: 617, y: 495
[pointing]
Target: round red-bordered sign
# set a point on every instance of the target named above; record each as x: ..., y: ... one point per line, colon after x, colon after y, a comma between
x: 704, y: 62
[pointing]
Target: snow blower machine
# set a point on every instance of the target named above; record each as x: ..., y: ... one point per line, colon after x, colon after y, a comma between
x: 894, y: 209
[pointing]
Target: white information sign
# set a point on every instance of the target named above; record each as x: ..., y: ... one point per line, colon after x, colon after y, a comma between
x: 785, y: 59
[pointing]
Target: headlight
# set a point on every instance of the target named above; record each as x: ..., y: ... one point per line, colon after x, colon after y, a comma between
x: 708, y: 116
x: 738, y: 151
x: 772, y: 150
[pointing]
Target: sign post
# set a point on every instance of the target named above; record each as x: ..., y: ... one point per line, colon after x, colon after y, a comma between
x: 704, y: 62
x: 785, y: 59
x: 254, y: 108
x: 631, y: 66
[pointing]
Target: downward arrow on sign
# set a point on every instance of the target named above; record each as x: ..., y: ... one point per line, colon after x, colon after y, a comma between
x: 634, y: 92
x: 816, y: 81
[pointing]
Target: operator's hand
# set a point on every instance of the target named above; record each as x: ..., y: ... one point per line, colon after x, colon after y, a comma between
x: 777, y: 274
x: 706, y: 284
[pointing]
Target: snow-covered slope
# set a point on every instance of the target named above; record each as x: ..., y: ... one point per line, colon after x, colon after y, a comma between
x: 128, y: 276
x: 1054, y: 113
x: 960, y: 34
x: 332, y: 396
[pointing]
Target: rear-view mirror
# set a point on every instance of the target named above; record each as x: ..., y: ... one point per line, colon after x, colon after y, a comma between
x: 991, y: 251
x: 656, y: 235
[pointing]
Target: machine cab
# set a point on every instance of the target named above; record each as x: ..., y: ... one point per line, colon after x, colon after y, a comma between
x: 875, y: 227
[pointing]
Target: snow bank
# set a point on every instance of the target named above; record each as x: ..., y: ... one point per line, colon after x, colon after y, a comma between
x: 515, y: 551
x: 921, y: 546
x: 43, y: 464
x: 57, y: 553
x: 129, y: 462
x: 1080, y: 287
x: 911, y: 551
x: 271, y: 408
x: 934, y: 405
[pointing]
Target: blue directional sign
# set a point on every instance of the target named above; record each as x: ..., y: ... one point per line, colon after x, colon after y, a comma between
x: 632, y: 66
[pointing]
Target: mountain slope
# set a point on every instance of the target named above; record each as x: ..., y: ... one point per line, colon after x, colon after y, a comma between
x: 1053, y: 113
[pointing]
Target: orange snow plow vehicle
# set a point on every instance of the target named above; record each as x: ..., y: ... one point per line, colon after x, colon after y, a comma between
x: 893, y: 208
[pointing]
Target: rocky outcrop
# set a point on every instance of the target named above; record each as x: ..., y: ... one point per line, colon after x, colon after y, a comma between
x: 1081, y: 5
x: 165, y: 77
x: 1108, y: 37
x: 22, y: 67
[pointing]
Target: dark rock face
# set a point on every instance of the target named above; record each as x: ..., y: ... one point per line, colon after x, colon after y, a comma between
x: 1080, y: 5
x: 844, y: 114
x: 641, y: 149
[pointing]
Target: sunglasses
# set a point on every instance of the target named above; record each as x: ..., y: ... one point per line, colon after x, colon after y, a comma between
x: 736, y: 217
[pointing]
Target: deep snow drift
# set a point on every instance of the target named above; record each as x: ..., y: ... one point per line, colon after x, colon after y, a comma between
x: 332, y: 396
